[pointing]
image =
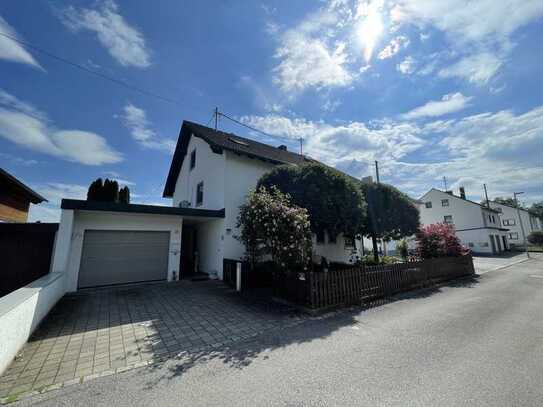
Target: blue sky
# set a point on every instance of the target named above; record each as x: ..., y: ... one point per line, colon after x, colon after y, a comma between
x: 429, y: 88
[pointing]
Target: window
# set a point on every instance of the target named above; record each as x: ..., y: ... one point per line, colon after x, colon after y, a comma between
x: 471, y: 244
x: 490, y: 218
x: 199, y: 194
x: 513, y: 236
x: 193, y: 159
x: 444, y: 202
x: 349, y: 242
x: 509, y: 222
x: 428, y: 205
x: 447, y: 219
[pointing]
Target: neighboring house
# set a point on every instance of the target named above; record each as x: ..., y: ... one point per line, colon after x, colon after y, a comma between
x: 15, y: 198
x: 510, y: 220
x: 477, y: 226
x: 101, y: 243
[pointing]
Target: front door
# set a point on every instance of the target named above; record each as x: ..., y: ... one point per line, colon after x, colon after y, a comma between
x: 499, y: 244
x: 188, y: 247
x: 493, y: 244
x: 504, y: 243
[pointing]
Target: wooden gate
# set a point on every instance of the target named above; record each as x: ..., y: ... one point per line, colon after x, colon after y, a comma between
x: 26, y: 250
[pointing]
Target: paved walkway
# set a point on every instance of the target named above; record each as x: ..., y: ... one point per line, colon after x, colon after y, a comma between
x: 484, y: 264
x: 102, y: 332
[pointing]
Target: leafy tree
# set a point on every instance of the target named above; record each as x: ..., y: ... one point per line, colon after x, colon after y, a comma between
x: 536, y: 238
x: 439, y: 240
x: 124, y: 195
x: 537, y: 210
x: 271, y: 224
x: 391, y: 214
x: 334, y: 201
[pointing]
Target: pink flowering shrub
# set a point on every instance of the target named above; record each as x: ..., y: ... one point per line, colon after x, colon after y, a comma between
x: 439, y: 240
x: 270, y: 224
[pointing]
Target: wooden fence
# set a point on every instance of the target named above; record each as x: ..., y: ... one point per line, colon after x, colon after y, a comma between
x: 321, y: 290
x: 26, y: 250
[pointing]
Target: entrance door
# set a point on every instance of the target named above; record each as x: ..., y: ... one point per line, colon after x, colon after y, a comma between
x: 188, y: 247
x: 493, y: 244
x: 498, y: 243
x: 504, y: 243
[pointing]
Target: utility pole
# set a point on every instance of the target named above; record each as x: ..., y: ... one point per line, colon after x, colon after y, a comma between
x: 486, y: 197
x: 216, y: 114
x: 445, y: 183
x: 515, y: 194
x: 301, y: 146
x: 377, y: 170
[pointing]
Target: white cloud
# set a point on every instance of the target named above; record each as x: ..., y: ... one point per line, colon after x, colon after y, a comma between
x: 13, y: 51
x: 449, y: 103
x: 124, y: 43
x: 407, y: 66
x: 135, y: 119
x: 393, y: 47
x: 477, y: 69
x: 54, y: 192
x: 24, y: 125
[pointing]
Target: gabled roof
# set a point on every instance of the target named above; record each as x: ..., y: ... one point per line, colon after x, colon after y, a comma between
x: 457, y: 197
x: 512, y: 207
x: 219, y: 141
x: 33, y: 196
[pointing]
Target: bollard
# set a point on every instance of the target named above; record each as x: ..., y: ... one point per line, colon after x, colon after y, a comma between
x: 238, y: 276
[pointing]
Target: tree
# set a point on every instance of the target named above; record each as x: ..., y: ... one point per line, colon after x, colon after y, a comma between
x: 124, y: 195
x: 391, y: 214
x: 334, y: 201
x: 106, y: 191
x: 536, y: 238
x: 438, y: 240
x: 271, y: 224
x: 94, y: 192
x: 537, y: 210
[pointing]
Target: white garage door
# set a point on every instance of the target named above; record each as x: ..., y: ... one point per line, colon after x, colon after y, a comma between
x: 120, y: 257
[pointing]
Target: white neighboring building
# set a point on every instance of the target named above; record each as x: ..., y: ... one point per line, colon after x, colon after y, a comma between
x: 477, y: 226
x: 510, y: 220
x: 104, y: 243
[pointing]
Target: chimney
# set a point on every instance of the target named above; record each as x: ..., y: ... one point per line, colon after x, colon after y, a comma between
x: 462, y: 193
x: 282, y: 147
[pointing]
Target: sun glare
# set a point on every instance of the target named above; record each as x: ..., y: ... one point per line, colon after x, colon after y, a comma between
x: 369, y: 31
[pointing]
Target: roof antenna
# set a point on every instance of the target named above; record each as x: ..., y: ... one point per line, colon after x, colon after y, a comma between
x: 486, y: 196
x: 445, y: 183
x: 216, y: 114
x: 301, y: 146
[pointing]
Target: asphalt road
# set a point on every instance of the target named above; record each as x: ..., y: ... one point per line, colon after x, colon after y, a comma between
x: 477, y: 343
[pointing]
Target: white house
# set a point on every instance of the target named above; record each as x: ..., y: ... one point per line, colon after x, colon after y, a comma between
x: 101, y: 243
x: 477, y: 226
x: 510, y: 220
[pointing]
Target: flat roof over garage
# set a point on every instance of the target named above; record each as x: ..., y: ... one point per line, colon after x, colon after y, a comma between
x: 82, y: 205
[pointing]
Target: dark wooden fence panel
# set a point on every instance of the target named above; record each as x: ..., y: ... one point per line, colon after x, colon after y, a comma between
x: 321, y: 290
x: 26, y: 250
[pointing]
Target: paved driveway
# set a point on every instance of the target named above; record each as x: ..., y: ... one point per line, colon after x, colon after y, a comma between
x: 102, y: 332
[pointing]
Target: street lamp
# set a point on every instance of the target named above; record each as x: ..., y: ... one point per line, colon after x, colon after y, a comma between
x: 515, y: 194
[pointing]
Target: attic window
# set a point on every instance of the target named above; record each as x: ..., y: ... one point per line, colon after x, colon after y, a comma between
x: 241, y: 143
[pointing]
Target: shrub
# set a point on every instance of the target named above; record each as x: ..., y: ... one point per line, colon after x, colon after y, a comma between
x: 536, y: 238
x: 403, y: 249
x: 439, y: 240
x: 271, y: 225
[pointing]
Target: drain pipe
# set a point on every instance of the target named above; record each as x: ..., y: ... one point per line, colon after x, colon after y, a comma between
x: 238, y: 276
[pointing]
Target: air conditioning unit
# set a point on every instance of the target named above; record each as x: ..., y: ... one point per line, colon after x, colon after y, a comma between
x: 184, y: 204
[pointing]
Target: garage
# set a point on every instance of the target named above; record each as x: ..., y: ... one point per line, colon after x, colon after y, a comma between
x: 119, y: 257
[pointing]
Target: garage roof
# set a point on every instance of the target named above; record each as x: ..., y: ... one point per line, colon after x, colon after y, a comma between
x: 137, y: 208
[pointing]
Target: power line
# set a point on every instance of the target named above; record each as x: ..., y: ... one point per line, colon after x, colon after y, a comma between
x: 92, y: 72
x: 253, y: 128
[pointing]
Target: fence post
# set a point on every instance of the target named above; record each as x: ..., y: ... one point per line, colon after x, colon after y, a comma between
x: 238, y: 276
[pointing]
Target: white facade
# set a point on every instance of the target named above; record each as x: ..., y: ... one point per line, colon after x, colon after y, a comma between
x: 476, y: 226
x: 227, y: 178
x: 510, y: 220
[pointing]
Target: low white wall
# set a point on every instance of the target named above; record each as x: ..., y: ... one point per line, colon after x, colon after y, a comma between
x: 22, y: 310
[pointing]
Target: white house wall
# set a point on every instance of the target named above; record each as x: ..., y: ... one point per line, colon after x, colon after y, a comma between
x: 209, y: 169
x: 508, y: 215
x: 210, y: 246
x: 97, y: 220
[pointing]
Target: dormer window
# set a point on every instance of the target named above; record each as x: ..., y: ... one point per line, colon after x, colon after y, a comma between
x: 193, y: 159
